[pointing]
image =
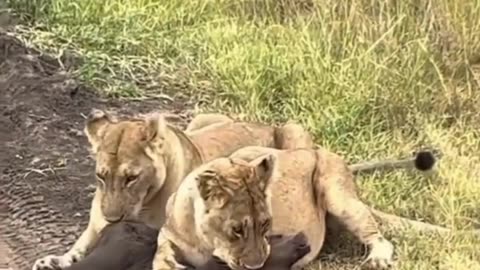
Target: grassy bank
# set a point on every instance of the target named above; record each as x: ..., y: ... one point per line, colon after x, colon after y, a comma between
x: 370, y: 79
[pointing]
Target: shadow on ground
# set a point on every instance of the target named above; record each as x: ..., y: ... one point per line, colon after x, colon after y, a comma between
x: 45, y: 165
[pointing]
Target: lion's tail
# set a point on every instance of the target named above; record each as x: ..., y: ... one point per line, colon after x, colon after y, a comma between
x: 423, y: 161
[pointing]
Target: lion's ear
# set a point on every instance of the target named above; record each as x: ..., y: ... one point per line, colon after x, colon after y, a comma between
x: 155, y: 127
x: 211, y: 191
x: 264, y: 167
x: 95, y: 126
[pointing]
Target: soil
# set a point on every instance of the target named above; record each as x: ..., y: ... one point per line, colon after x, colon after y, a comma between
x: 46, y: 168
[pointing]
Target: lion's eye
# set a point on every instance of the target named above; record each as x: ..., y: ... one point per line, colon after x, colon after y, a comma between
x: 130, y: 179
x: 238, y: 230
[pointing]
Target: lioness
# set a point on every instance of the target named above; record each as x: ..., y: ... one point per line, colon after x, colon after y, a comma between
x: 228, y: 206
x: 141, y: 161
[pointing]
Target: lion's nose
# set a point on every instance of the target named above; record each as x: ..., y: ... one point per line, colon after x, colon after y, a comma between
x: 254, y: 267
x: 114, y: 219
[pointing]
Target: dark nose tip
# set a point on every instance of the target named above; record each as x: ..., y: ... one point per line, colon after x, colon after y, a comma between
x: 253, y: 267
x: 115, y: 219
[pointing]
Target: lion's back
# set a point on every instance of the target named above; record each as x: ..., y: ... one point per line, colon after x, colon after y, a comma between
x: 227, y: 138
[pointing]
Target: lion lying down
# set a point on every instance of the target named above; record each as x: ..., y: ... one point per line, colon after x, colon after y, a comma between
x: 140, y: 162
x: 228, y: 206
x: 131, y: 246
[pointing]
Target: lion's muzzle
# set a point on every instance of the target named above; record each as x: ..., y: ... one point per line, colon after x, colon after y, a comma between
x: 254, y: 261
x: 254, y: 267
x: 114, y: 219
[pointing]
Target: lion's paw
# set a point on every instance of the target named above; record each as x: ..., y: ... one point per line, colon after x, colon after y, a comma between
x: 53, y: 262
x: 381, y: 255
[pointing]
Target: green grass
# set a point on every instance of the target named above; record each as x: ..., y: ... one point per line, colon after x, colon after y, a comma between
x: 370, y: 79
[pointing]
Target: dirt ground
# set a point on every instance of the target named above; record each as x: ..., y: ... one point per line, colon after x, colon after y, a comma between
x: 45, y: 164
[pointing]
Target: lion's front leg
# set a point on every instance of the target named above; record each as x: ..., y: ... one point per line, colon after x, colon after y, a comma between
x: 165, y: 257
x: 78, y: 251
x: 344, y: 204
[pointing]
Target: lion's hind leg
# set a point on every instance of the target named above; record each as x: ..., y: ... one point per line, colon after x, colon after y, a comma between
x: 292, y: 135
x: 206, y: 120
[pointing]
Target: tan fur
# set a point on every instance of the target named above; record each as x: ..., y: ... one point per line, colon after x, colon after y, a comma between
x: 293, y: 136
x: 217, y: 209
x: 140, y: 162
x: 316, y: 181
x: 207, y: 120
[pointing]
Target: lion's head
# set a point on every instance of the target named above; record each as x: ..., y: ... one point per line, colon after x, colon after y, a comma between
x: 130, y: 165
x: 236, y: 214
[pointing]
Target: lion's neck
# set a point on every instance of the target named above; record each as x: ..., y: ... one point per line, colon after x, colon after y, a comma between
x: 182, y: 157
x: 181, y: 151
x: 182, y: 226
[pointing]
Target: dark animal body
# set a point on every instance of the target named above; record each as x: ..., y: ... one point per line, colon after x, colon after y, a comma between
x: 122, y: 246
x: 130, y: 245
